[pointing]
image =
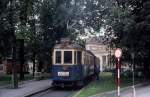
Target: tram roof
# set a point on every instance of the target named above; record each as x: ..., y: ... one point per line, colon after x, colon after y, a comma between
x: 68, y: 46
x: 90, y: 52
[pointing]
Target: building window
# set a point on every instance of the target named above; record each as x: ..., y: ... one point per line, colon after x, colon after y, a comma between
x: 88, y: 47
x: 104, y: 60
x: 1, y: 68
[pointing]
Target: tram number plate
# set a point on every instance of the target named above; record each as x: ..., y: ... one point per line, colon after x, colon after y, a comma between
x: 63, y: 73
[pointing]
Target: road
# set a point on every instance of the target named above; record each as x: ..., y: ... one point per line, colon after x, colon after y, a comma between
x: 53, y: 92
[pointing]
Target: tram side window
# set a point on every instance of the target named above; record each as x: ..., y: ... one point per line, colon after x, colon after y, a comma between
x: 79, y: 57
x: 58, y: 57
x: 67, y: 56
x: 90, y: 60
x: 75, y: 57
x: 85, y: 59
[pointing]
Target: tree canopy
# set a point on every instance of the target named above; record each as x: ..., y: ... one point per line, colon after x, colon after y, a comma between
x: 43, y: 22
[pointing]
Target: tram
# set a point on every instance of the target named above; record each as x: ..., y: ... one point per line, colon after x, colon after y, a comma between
x: 72, y: 64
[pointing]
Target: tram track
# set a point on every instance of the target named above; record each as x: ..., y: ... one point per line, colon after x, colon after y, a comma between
x: 56, y: 92
x: 61, y: 92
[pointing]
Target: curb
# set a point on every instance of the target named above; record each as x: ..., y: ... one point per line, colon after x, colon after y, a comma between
x: 122, y: 89
x: 19, y: 83
x: 37, y: 92
x: 30, y: 93
x: 40, y: 91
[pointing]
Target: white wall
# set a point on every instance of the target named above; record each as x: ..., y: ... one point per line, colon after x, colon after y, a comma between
x: 99, y: 51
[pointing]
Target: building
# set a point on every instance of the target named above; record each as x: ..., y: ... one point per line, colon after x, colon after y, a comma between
x: 6, y: 67
x: 98, y: 47
x: 2, y: 69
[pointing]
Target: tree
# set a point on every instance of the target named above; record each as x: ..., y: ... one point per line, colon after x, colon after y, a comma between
x: 27, y: 29
x: 6, y: 33
x: 130, y: 22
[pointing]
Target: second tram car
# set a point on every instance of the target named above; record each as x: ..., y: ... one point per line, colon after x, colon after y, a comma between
x: 72, y: 64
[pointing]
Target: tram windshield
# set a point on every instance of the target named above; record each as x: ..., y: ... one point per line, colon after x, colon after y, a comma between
x: 58, y: 57
x: 67, y: 56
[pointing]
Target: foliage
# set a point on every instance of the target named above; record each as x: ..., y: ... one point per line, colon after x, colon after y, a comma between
x: 105, y: 84
x: 129, y: 23
x: 5, y: 27
x: 41, y: 22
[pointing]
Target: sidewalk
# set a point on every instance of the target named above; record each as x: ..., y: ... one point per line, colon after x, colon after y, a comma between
x: 125, y: 92
x: 25, y: 89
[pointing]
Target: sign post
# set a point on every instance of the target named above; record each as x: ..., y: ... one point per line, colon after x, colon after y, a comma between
x: 133, y: 68
x: 118, y: 54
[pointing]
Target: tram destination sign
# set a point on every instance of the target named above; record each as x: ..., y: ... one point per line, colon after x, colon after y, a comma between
x: 118, y: 53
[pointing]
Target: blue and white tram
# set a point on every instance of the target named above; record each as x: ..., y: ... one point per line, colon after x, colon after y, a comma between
x: 72, y: 64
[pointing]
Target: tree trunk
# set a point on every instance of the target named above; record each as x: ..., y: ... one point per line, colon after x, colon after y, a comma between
x: 12, y: 30
x: 14, y: 70
x: 146, y: 69
x: 40, y: 66
x: 33, y: 59
x: 21, y: 57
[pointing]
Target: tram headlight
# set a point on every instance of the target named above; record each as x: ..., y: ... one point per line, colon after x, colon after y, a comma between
x: 65, y: 68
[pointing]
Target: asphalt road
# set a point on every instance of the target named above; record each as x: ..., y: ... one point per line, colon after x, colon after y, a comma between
x: 57, y: 92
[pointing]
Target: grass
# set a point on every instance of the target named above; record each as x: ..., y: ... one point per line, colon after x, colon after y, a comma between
x: 28, y: 77
x: 4, y: 80
x: 7, y: 79
x: 106, y: 83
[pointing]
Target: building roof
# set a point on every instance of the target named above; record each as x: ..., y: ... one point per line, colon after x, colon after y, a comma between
x: 96, y: 40
x: 68, y: 46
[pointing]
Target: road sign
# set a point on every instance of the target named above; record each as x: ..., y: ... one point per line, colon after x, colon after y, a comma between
x: 118, y: 53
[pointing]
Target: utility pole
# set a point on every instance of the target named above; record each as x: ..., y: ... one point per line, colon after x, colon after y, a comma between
x: 14, y: 71
x: 12, y: 30
x: 21, y: 57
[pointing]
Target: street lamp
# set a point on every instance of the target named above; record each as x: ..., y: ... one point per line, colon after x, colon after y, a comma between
x: 133, y: 70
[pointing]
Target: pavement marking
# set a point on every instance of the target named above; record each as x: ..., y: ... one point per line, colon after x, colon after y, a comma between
x: 78, y: 92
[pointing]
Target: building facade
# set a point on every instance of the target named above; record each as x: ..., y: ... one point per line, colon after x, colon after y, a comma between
x: 102, y: 51
x: 2, y: 69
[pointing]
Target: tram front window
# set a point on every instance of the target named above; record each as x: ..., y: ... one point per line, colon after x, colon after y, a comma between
x: 68, y: 57
x: 58, y: 57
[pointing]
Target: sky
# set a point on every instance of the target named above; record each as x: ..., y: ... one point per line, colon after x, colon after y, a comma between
x: 88, y: 34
